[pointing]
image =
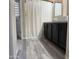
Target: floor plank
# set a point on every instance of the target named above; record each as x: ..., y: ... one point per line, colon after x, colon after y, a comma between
x: 42, y: 49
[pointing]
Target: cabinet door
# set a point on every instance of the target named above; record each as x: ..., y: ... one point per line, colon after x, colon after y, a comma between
x: 49, y: 31
x: 62, y: 34
x: 45, y: 30
x: 55, y: 32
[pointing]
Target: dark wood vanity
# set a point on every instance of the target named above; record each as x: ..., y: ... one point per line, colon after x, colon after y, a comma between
x: 56, y: 32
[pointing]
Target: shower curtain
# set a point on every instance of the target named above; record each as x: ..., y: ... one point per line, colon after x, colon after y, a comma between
x: 36, y: 13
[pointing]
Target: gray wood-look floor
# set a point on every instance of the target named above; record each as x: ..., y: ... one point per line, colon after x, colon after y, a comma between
x: 38, y: 49
x: 42, y: 49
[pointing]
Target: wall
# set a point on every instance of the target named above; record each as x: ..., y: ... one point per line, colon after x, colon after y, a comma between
x: 37, y: 12
x: 65, y: 8
x: 67, y: 42
x: 12, y: 32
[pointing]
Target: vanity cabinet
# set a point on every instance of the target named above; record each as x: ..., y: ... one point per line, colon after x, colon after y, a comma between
x: 56, y: 32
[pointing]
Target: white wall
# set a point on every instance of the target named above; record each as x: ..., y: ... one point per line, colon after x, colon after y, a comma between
x: 67, y: 42
x: 12, y: 32
x: 65, y: 7
x: 37, y: 12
